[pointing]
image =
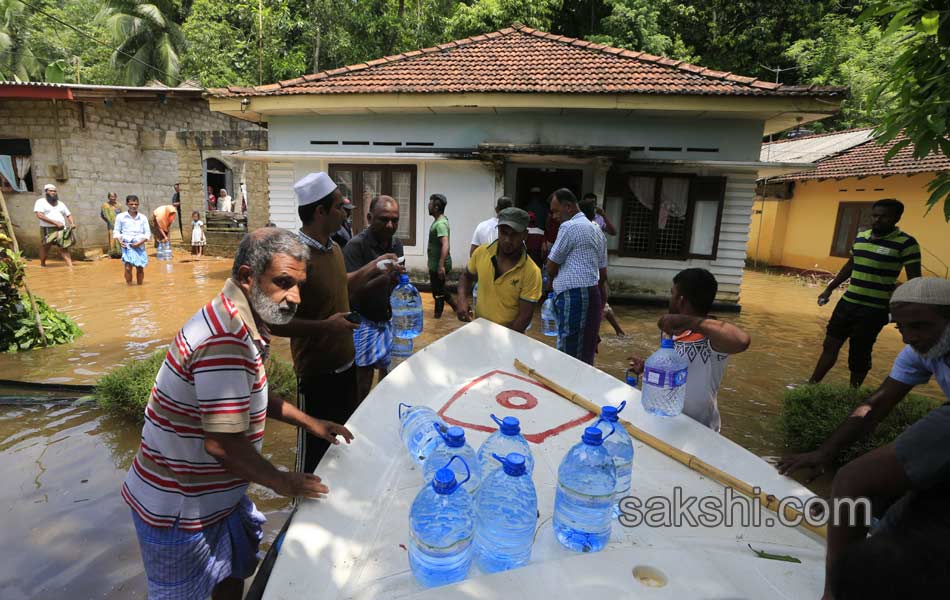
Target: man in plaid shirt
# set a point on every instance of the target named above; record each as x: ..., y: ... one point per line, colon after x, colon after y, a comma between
x: 577, y: 266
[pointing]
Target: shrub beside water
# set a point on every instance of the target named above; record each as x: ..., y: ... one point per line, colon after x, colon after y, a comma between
x: 810, y: 413
x: 126, y: 389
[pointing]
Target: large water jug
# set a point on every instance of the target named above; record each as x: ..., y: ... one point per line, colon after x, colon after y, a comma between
x: 417, y: 431
x: 548, y: 317
x: 620, y: 449
x: 407, y: 309
x: 402, y: 348
x: 664, y: 381
x: 452, y: 443
x: 586, y: 481
x: 506, y: 514
x: 503, y: 442
x: 441, y: 528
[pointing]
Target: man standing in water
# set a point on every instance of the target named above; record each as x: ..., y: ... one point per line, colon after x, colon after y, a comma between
x: 877, y: 257
x: 321, y: 336
x: 204, y: 425
x: 910, y: 477
x: 440, y: 259
x: 132, y: 232
x: 374, y: 339
x: 54, y: 218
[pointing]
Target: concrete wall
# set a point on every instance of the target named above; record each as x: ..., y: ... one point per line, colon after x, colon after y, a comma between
x: 110, y: 149
x: 767, y: 233
x: 808, y: 226
x: 734, y: 139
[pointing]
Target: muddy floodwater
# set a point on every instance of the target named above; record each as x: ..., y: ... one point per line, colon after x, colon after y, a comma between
x: 66, y: 531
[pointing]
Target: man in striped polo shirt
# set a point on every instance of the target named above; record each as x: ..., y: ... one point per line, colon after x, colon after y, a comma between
x: 204, y: 425
x: 877, y: 257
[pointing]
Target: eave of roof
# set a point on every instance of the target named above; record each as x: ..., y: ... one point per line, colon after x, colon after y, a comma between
x: 79, y: 92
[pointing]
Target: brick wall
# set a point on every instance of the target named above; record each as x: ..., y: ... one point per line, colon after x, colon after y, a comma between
x: 107, y: 148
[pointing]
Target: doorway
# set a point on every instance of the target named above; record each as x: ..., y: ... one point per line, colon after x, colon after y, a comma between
x: 533, y: 188
x: 218, y: 175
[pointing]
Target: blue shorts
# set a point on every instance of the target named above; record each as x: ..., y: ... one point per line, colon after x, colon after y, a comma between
x: 373, y: 342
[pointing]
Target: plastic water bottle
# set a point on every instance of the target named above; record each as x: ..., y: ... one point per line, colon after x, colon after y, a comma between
x: 441, y: 528
x: 402, y: 348
x: 503, y: 442
x: 506, y: 514
x: 452, y: 443
x: 664, y: 381
x: 407, y: 309
x: 549, y: 317
x: 631, y: 378
x: 620, y: 449
x: 417, y: 431
x: 586, y: 481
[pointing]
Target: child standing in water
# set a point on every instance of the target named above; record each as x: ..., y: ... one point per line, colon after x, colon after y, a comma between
x: 198, y: 240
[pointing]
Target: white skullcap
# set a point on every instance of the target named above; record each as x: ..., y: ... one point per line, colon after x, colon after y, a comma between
x: 923, y: 290
x: 313, y: 188
x: 48, y: 187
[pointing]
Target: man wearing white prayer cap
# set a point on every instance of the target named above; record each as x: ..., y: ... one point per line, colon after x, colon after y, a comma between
x: 321, y: 335
x: 910, y: 477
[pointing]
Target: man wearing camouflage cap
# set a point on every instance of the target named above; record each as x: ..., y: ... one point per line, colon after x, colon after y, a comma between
x: 509, y: 283
x: 910, y: 476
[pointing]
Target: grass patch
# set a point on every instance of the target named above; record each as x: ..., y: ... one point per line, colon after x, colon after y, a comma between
x: 810, y: 413
x: 125, y: 391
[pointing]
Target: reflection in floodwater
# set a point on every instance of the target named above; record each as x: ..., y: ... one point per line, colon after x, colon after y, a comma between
x: 64, y: 463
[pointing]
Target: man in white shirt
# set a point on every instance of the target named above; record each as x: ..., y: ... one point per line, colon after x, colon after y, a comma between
x: 53, y: 216
x: 486, y: 232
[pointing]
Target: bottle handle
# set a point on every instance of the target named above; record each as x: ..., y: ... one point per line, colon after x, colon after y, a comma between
x: 399, y: 409
x: 468, y: 471
x: 498, y: 458
x: 613, y: 429
x: 496, y: 420
x: 439, y: 430
x: 622, y: 406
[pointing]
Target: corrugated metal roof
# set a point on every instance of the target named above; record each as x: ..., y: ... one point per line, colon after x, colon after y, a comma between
x: 813, y: 148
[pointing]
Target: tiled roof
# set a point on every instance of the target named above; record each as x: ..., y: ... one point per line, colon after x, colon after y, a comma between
x: 868, y: 159
x: 520, y: 59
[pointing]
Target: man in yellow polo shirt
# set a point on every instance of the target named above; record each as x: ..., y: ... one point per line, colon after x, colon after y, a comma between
x: 509, y: 284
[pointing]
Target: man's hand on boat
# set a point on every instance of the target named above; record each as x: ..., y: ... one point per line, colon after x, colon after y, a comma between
x: 329, y: 431
x: 463, y: 311
x: 304, y: 485
x: 806, y: 460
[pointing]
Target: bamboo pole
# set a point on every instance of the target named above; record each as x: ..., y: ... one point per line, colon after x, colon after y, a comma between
x: 16, y: 249
x: 690, y: 461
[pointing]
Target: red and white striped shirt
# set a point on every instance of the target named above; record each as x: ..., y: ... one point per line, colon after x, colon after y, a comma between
x: 212, y: 380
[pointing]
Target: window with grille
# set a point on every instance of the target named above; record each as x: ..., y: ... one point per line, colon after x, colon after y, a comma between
x: 363, y: 183
x: 669, y: 216
x: 853, y: 217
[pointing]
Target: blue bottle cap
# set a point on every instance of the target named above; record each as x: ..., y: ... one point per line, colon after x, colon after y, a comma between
x: 404, y: 278
x: 514, y: 464
x: 610, y: 413
x: 444, y: 481
x: 666, y: 343
x: 454, y: 437
x: 593, y: 436
x: 508, y: 425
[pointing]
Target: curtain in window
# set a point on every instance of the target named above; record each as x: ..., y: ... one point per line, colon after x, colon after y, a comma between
x: 643, y: 189
x: 23, y: 164
x: 674, y: 199
x: 6, y: 169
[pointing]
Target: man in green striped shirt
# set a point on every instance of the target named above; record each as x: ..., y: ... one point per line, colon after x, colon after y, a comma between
x: 877, y: 257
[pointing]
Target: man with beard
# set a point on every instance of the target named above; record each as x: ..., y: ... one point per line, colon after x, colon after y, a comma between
x: 321, y: 336
x: 877, y: 257
x: 374, y: 339
x: 509, y: 282
x: 204, y: 425
x: 56, y: 224
x: 909, y: 473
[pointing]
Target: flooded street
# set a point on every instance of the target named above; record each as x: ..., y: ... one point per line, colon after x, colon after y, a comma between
x: 69, y: 534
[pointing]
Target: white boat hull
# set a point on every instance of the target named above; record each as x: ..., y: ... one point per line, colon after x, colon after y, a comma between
x: 353, y: 544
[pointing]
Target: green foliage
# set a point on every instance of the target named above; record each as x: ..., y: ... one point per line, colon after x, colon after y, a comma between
x: 125, y: 390
x: 17, y: 60
x: 811, y: 413
x: 916, y: 90
x: 483, y: 16
x: 18, y: 329
x: 148, y: 39
x: 857, y: 55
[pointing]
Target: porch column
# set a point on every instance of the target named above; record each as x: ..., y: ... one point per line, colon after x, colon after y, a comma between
x: 499, y: 168
x: 601, y: 167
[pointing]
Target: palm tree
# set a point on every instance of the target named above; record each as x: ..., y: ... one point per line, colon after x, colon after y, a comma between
x: 146, y: 30
x: 16, y: 58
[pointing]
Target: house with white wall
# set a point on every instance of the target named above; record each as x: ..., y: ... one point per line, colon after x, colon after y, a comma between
x: 669, y: 148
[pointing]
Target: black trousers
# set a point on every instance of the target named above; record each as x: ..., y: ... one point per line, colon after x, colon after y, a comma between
x: 331, y: 397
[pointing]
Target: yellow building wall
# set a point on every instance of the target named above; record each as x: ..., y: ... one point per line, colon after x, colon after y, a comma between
x: 810, y: 217
x: 767, y: 232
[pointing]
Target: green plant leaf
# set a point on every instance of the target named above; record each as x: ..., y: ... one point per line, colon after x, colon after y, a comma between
x: 930, y: 23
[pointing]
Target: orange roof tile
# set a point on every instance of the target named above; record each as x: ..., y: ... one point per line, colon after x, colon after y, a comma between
x: 868, y: 159
x: 525, y: 60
